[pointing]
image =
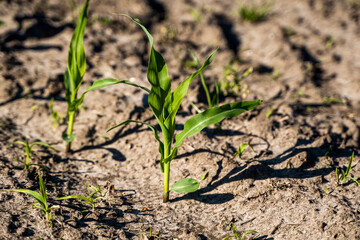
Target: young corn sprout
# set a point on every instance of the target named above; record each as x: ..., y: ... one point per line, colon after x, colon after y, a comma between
x: 165, y: 104
x: 236, y: 235
x: 76, y: 65
x: 94, y: 195
x: 343, y: 176
x: 41, y: 199
x: 29, y: 151
x: 242, y: 147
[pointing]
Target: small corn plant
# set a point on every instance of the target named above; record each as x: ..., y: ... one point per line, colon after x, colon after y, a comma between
x: 94, y: 195
x: 29, y: 151
x: 236, y: 235
x: 76, y: 66
x: 164, y: 104
x: 342, y: 176
x: 41, y: 199
x: 242, y: 147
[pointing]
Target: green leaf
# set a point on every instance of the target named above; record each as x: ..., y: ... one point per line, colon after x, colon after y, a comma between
x: 100, y: 84
x: 68, y: 138
x: 43, y: 144
x: 73, y: 197
x: 158, y: 77
x: 213, y: 115
x: 34, y: 194
x: 173, y: 103
x: 69, y: 86
x: 42, y: 188
x: 350, y: 164
x: 76, y: 57
x: 234, y: 231
x: 19, y: 142
x: 247, y: 232
x: 110, y: 81
x: 185, y: 185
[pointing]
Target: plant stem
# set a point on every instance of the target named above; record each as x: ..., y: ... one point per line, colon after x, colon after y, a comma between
x: 167, y: 151
x: 166, y: 181
x: 70, y: 129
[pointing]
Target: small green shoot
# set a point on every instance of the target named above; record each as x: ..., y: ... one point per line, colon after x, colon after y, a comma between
x: 329, y: 152
x: 329, y: 100
x: 29, y: 151
x: 41, y: 199
x: 241, y: 149
x: 76, y: 66
x: 330, y: 42
x: 57, y: 119
x: 94, y: 194
x: 342, y: 176
x: 204, y: 176
x: 254, y: 14
x: 236, y: 235
x: 165, y: 104
x: 269, y: 113
x: 1, y: 23
x: 232, y: 83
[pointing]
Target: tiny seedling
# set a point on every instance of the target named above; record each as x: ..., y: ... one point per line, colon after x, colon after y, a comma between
x: 255, y: 14
x: 329, y: 152
x: 94, y: 194
x: 41, y: 199
x: 165, y: 104
x: 236, y: 235
x: 232, y: 83
x: 29, y: 151
x: 57, y: 119
x: 76, y: 65
x: 342, y: 176
x: 270, y: 112
x: 329, y: 100
x: 241, y: 149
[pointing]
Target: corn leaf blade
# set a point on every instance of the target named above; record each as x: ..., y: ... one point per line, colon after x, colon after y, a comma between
x: 213, y: 115
x: 73, y: 197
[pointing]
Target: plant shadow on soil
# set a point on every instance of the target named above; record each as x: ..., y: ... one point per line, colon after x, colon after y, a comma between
x: 263, y: 170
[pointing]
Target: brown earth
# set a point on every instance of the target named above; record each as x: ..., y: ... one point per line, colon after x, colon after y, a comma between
x: 306, y: 58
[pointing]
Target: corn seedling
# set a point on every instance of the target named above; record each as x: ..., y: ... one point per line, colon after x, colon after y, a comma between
x: 29, y: 151
x: 76, y: 65
x: 255, y: 14
x: 94, y: 194
x: 41, y: 199
x: 241, y: 149
x: 165, y: 105
x: 342, y: 176
x: 236, y: 235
